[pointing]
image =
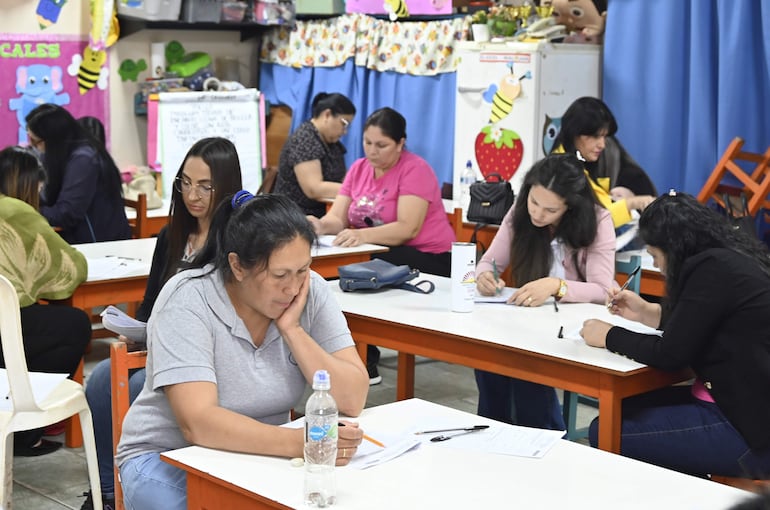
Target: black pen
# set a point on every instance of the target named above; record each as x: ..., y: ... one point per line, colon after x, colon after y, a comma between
x: 561, y: 332
x: 474, y: 427
x: 555, y: 306
x: 625, y: 285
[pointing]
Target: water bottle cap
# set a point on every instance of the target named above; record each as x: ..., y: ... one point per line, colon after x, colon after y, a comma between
x: 469, y: 164
x: 321, y: 380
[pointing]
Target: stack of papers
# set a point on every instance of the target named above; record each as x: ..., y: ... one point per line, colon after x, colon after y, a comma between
x: 118, y: 321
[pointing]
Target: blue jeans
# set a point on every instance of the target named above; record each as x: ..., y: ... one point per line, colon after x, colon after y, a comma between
x: 99, y: 396
x: 518, y: 402
x: 150, y: 484
x: 673, y: 429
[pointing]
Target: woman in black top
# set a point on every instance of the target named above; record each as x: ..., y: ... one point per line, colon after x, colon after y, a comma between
x: 715, y: 320
x: 312, y: 162
x: 83, y: 194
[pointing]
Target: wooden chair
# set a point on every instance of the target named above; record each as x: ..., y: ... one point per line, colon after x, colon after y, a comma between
x: 747, y: 484
x: 121, y: 361
x: 756, y: 185
x: 571, y: 400
x: 140, y: 227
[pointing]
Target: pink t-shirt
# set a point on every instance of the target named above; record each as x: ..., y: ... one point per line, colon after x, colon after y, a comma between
x: 375, y: 201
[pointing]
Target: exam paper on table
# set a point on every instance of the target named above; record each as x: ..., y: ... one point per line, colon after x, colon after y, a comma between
x: 506, y: 440
x: 617, y: 320
x: 497, y: 298
x: 104, y: 268
x: 42, y: 386
x: 326, y: 240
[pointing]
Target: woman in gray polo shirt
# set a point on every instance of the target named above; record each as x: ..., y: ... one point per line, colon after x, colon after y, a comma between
x: 231, y: 345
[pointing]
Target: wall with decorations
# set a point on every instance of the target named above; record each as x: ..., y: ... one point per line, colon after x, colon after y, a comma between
x: 47, y: 39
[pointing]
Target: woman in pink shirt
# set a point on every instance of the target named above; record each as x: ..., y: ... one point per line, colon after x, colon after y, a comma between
x: 391, y: 197
x: 561, y: 245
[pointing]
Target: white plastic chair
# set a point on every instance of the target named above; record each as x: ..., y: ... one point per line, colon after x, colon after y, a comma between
x: 67, y: 399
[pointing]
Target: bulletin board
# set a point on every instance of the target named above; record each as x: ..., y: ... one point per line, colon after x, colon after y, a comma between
x: 183, y: 118
x: 37, y: 69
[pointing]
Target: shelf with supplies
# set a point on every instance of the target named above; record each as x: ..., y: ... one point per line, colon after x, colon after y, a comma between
x: 130, y: 25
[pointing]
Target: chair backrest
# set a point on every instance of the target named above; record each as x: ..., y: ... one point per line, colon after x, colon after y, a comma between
x: 121, y: 361
x: 13, y: 349
x: 627, y: 267
x: 756, y: 185
x: 140, y: 227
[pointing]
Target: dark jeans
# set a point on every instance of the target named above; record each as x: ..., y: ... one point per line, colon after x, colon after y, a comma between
x: 55, y: 339
x: 99, y: 396
x: 438, y: 264
x: 673, y: 429
x: 518, y: 402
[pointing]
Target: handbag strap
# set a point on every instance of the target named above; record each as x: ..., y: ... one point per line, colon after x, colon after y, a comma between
x: 415, y: 287
x: 499, y: 177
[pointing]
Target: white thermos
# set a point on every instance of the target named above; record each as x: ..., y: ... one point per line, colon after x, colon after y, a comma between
x: 463, y: 276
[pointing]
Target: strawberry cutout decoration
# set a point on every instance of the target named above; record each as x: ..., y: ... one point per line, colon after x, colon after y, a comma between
x: 498, y: 151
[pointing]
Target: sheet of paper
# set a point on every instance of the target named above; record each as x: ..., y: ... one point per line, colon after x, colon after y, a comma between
x: 616, y: 320
x: 104, y: 268
x: 498, y: 298
x: 116, y: 320
x: 504, y: 440
x: 326, y: 240
x: 42, y: 386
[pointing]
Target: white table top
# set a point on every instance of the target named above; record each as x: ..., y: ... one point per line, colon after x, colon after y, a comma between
x: 436, y: 475
x: 333, y: 251
x: 151, y: 213
x: 135, y: 254
x: 531, y: 329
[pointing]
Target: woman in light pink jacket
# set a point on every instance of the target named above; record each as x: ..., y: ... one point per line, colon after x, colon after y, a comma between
x: 560, y: 244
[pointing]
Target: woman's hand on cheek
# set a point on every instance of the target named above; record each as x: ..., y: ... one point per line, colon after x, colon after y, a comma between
x: 290, y: 317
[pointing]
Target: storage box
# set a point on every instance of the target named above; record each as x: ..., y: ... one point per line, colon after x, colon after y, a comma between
x: 274, y: 12
x: 201, y: 11
x: 320, y: 6
x: 154, y: 10
x: 415, y: 7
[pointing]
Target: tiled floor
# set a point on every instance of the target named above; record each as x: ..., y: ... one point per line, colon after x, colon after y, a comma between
x: 56, y: 481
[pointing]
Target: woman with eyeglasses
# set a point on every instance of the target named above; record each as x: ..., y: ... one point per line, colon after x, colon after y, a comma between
x: 210, y: 170
x: 83, y: 194
x: 40, y: 265
x: 391, y: 197
x: 312, y: 162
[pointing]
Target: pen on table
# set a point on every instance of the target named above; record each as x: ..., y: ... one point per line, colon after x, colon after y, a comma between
x: 555, y: 306
x: 625, y: 285
x: 368, y: 438
x: 496, y: 274
x: 561, y: 332
x: 123, y: 258
x: 474, y: 427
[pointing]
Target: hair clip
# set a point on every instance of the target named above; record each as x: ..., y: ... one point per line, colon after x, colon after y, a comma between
x: 240, y: 198
x: 672, y: 192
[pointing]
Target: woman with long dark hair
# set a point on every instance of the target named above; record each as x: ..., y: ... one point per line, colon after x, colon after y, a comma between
x: 210, y: 171
x: 82, y: 195
x: 560, y: 245
x: 716, y: 321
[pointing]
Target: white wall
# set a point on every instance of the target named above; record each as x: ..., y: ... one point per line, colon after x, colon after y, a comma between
x: 128, y: 132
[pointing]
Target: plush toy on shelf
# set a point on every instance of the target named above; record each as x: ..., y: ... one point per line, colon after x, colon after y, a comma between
x: 584, y: 19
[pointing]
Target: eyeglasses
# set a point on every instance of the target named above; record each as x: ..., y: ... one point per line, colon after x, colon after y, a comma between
x: 184, y: 186
x: 345, y: 123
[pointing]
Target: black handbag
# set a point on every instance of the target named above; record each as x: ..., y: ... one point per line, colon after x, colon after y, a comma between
x: 490, y: 200
x: 377, y: 273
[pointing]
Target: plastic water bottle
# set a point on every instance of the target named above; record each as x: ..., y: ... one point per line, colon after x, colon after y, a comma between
x: 320, y: 443
x: 467, y: 177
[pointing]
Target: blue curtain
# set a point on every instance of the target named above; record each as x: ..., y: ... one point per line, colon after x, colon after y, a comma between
x: 427, y: 103
x: 683, y: 79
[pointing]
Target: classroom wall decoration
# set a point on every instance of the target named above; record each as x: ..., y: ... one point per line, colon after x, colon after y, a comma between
x: 48, y: 11
x: 41, y: 68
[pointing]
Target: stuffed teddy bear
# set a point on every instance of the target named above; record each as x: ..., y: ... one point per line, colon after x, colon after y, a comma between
x: 584, y: 19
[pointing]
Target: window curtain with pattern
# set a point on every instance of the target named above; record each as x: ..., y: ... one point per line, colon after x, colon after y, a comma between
x: 408, y: 66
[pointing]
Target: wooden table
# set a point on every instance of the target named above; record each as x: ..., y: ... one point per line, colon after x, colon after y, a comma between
x: 156, y: 218
x: 514, y: 341
x: 438, y: 475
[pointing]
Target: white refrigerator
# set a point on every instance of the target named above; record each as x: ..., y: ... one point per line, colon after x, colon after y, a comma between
x: 510, y: 100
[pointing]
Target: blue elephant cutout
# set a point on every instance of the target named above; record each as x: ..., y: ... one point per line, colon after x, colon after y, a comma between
x: 36, y: 84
